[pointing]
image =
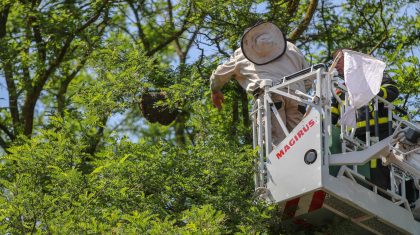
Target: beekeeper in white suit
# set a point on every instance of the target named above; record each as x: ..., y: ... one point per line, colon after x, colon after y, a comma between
x: 264, y: 54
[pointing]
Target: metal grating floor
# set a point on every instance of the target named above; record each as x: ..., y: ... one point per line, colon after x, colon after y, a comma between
x: 381, y: 227
x: 343, y: 207
x: 352, y: 212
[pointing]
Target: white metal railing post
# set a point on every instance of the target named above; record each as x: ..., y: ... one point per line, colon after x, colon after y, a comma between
x: 260, y: 143
x: 326, y: 104
x: 266, y: 84
x: 267, y: 127
x: 254, y: 118
x: 367, y: 127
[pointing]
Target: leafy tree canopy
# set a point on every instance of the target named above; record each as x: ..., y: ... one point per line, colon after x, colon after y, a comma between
x: 78, y: 156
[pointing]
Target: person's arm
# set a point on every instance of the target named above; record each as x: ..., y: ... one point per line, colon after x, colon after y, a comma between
x: 219, y: 78
x: 389, y: 89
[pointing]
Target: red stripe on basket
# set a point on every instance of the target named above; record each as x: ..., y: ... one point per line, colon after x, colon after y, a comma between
x: 317, y: 200
x: 290, y: 208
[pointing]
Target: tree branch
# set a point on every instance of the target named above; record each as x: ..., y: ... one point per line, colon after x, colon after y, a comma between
x: 327, y: 29
x: 175, y: 35
x: 385, y: 37
x: 200, y: 62
x: 192, y: 39
x: 13, y: 96
x: 178, y: 47
x: 95, y: 139
x: 171, y: 14
x: 305, y: 22
x: 33, y: 95
x: 128, y: 33
x: 40, y: 44
x: 35, y: 92
x: 142, y: 37
x: 3, y: 20
x: 65, y: 84
x: 292, y: 8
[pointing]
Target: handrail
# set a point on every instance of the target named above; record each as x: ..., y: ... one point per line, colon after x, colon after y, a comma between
x: 307, y: 70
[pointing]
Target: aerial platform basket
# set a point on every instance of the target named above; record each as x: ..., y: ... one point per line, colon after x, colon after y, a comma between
x: 299, y: 174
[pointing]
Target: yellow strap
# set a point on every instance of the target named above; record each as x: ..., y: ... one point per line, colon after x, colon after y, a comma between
x: 381, y: 120
x: 385, y: 92
x: 373, y: 163
x: 335, y: 110
x: 387, y: 85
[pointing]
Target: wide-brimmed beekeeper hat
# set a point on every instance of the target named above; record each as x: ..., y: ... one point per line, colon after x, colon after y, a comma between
x: 263, y: 43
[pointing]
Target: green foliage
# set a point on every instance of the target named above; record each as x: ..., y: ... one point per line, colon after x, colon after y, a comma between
x: 78, y: 157
x: 118, y: 78
x: 142, y: 188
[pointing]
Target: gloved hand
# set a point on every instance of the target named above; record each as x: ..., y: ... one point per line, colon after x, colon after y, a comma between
x: 217, y: 98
